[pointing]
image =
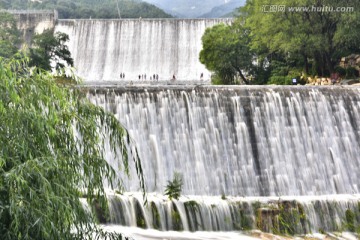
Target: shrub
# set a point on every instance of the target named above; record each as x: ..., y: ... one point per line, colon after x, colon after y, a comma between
x: 350, y: 220
x: 280, y: 80
x: 340, y: 70
x: 174, y: 187
x: 352, y: 72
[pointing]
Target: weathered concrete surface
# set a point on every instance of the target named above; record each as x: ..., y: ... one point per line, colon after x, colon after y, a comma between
x: 31, y: 22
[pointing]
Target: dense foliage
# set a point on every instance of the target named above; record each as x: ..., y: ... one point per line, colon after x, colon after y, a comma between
x: 47, y: 49
x: 313, y: 41
x: 51, y: 154
x: 9, y: 35
x: 52, y: 144
x: 50, y: 48
x: 290, y: 42
x: 226, y: 51
x: 91, y: 8
x: 198, y: 9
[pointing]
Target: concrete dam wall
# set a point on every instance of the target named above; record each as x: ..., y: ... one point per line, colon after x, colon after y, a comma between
x: 242, y: 140
x: 31, y: 22
x: 103, y: 49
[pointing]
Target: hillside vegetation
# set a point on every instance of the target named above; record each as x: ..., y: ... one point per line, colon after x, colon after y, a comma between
x: 302, y: 42
x: 227, y: 9
x: 91, y: 8
x: 187, y: 8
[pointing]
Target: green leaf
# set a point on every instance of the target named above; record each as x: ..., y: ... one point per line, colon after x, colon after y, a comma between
x: 44, y: 164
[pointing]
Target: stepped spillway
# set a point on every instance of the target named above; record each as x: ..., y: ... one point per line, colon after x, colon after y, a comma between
x: 242, y: 141
x: 285, y: 158
x: 291, y: 215
x: 278, y: 159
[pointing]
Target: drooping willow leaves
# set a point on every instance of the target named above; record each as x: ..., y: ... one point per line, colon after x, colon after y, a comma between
x: 51, y: 154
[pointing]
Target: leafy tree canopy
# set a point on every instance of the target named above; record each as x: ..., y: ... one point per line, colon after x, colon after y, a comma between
x: 301, y: 38
x: 316, y: 38
x: 50, y: 48
x: 51, y: 154
x: 226, y: 52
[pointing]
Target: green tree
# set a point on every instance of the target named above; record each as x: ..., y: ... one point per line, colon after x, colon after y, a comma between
x: 315, y: 39
x: 49, y: 48
x: 51, y: 154
x: 9, y: 35
x: 226, y: 52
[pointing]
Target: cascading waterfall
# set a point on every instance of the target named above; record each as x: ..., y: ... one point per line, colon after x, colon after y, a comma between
x: 301, y: 214
x: 282, y: 159
x: 241, y: 141
x: 103, y: 49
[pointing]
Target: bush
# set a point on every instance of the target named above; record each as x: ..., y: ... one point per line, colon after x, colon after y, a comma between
x: 350, y: 220
x: 279, y: 68
x: 280, y: 80
x: 174, y: 187
x: 216, y: 80
x: 340, y: 70
x: 352, y: 72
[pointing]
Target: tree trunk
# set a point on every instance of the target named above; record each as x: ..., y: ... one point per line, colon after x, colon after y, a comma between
x: 306, y: 62
x: 242, y: 76
x: 329, y: 63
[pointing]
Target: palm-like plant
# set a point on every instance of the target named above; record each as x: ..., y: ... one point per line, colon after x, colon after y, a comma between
x: 174, y: 187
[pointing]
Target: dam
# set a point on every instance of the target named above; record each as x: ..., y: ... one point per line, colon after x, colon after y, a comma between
x: 255, y: 141
x: 247, y: 154
x: 104, y: 49
x: 31, y: 22
x: 251, y: 157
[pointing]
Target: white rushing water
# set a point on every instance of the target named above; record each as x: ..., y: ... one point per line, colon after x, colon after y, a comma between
x: 243, y: 141
x: 103, y: 49
x: 209, y: 214
x: 150, y: 234
x: 253, y: 145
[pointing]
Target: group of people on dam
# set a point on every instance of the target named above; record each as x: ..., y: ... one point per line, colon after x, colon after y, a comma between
x: 152, y: 77
x: 142, y: 76
x: 155, y: 77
